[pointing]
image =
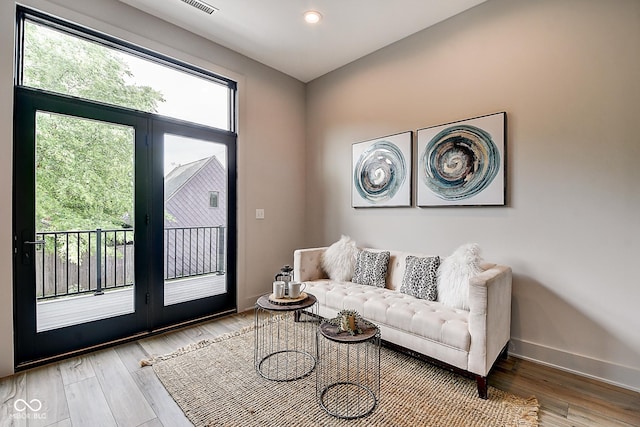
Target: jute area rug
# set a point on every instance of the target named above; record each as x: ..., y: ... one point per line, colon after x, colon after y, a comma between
x: 215, y: 383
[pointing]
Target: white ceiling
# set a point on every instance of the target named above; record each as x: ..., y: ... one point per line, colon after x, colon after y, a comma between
x: 274, y: 33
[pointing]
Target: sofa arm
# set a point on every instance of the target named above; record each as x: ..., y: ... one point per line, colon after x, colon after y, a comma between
x: 307, y: 264
x: 489, y: 317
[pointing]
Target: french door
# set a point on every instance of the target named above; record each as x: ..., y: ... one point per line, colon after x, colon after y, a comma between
x: 124, y: 223
x: 193, y: 239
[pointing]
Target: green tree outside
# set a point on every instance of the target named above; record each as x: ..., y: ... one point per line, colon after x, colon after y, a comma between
x: 84, y: 169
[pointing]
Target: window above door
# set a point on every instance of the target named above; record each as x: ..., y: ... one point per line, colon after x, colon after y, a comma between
x: 61, y: 57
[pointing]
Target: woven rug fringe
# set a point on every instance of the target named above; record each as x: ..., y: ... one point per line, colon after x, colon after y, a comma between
x: 529, y: 414
x: 204, y: 343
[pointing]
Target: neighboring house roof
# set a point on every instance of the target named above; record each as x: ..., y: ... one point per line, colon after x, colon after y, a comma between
x: 179, y: 176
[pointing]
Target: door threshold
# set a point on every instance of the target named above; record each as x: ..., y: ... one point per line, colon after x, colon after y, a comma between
x: 52, y: 359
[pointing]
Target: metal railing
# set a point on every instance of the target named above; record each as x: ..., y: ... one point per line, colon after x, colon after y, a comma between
x: 193, y: 251
x: 91, y: 261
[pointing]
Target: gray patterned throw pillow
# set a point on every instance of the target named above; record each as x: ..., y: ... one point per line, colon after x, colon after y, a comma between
x: 420, y: 277
x: 371, y: 268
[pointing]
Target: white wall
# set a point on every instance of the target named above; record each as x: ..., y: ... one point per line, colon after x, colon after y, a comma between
x: 6, y: 147
x: 271, y: 136
x: 567, y: 74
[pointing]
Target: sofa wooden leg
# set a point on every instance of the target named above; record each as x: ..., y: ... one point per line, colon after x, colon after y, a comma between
x: 483, y: 387
x: 504, y: 354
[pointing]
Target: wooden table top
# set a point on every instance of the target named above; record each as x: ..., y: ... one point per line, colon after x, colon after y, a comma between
x: 266, y: 304
x: 331, y: 332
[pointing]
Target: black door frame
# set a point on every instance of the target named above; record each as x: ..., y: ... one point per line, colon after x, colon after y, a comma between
x: 150, y: 313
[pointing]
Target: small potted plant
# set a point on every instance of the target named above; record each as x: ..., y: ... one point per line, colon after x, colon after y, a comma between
x: 348, y: 321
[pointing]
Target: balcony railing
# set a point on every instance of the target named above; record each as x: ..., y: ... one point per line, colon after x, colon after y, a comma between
x: 193, y: 251
x: 91, y: 261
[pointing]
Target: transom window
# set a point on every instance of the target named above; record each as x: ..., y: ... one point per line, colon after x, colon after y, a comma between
x: 133, y: 78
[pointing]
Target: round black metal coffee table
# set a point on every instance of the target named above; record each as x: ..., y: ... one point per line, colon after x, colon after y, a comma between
x: 285, y: 337
x: 348, y: 371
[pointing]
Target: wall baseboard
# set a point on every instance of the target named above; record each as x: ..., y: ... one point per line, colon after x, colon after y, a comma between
x: 248, y: 303
x: 601, y: 370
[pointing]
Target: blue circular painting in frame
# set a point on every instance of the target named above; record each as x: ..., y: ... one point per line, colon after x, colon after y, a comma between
x: 380, y: 172
x: 459, y: 162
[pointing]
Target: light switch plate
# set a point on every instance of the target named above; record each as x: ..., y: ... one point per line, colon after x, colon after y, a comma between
x: 259, y: 213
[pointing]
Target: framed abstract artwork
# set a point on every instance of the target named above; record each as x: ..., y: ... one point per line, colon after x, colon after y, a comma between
x: 381, y: 173
x: 462, y: 163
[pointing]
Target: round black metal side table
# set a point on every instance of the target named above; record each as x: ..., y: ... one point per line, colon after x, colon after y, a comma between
x: 348, y: 371
x: 285, y: 337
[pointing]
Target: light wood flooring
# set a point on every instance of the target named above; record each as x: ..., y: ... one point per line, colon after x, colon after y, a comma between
x: 109, y: 388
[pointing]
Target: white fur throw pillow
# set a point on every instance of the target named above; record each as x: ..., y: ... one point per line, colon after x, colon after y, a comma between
x: 338, y: 261
x: 454, y: 274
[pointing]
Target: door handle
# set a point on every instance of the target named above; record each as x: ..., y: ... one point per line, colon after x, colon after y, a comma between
x: 26, y: 253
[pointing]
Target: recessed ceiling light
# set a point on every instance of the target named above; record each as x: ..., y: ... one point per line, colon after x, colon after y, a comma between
x: 312, y: 16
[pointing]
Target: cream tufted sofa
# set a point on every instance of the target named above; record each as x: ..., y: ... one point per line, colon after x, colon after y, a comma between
x: 469, y: 341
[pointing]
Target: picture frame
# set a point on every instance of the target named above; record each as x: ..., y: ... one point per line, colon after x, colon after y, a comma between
x: 462, y: 163
x: 381, y: 172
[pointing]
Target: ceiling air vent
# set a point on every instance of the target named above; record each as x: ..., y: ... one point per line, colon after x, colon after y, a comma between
x: 199, y: 4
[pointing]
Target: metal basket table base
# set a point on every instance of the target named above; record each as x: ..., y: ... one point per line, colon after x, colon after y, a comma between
x: 348, y: 372
x: 285, y: 339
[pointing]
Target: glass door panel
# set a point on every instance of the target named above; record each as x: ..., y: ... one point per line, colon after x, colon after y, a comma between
x: 195, y: 218
x: 84, y: 210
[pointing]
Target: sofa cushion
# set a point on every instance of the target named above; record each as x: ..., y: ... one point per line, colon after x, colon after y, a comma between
x: 397, y: 264
x: 454, y: 274
x: 426, y: 319
x: 371, y: 268
x: 420, y: 277
x: 338, y: 261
